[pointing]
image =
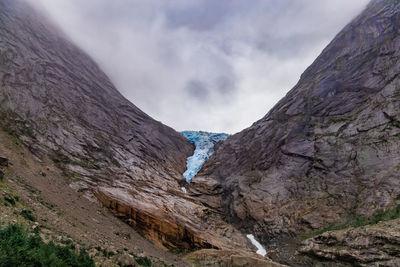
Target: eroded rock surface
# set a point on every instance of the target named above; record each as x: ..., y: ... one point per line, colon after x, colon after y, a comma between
x: 376, y: 245
x: 329, y: 148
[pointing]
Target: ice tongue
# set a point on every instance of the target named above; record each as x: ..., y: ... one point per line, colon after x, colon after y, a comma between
x: 204, y: 147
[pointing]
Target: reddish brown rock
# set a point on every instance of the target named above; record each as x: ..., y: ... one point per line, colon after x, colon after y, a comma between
x: 157, y: 225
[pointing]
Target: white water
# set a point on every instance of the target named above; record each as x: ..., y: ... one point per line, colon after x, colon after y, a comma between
x: 260, y: 249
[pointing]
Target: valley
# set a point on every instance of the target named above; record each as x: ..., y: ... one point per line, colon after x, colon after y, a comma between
x: 313, y: 183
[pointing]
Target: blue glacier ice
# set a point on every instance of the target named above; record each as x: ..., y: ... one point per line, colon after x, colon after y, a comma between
x: 204, y: 147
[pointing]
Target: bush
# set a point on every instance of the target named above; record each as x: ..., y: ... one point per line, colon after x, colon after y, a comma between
x: 27, y: 214
x: 17, y: 248
x: 10, y: 200
x: 143, y: 261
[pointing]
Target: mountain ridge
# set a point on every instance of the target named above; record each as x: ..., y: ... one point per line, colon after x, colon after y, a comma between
x: 328, y: 149
x: 58, y: 102
x: 326, y: 154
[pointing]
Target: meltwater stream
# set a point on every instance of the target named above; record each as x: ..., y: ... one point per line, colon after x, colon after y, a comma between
x: 204, y: 147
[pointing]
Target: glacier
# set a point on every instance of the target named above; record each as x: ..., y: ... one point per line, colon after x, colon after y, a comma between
x: 204, y: 143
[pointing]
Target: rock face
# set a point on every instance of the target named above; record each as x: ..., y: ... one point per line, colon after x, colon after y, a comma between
x: 58, y: 102
x: 377, y: 245
x: 329, y: 149
x: 70, y: 104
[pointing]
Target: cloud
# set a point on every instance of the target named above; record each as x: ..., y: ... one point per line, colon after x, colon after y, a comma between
x: 200, y: 64
x: 197, y: 89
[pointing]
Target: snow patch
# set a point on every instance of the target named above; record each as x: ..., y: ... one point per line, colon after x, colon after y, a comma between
x: 260, y: 249
x: 184, y: 190
x: 204, y: 147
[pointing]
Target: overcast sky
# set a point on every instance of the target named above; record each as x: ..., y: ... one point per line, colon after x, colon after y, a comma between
x: 214, y: 65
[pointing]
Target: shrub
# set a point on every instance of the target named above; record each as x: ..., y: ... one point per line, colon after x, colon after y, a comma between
x: 10, y: 200
x: 27, y: 214
x: 143, y: 261
x: 17, y: 248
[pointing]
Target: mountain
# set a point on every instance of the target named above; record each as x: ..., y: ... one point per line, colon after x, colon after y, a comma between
x: 315, y: 181
x: 329, y: 151
x: 86, y: 137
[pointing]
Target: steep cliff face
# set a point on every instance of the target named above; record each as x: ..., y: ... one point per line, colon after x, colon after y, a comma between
x: 70, y: 102
x: 329, y: 149
x: 56, y: 100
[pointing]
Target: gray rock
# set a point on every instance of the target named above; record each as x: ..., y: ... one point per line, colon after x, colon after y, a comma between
x: 59, y: 103
x: 330, y: 148
x: 375, y: 245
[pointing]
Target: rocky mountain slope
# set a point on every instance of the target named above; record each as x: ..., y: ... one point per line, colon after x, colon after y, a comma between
x: 329, y: 150
x: 372, y: 245
x: 38, y: 196
x: 326, y: 155
x: 63, y: 108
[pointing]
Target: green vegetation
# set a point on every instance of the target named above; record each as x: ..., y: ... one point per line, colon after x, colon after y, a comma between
x: 15, y: 125
x: 18, y: 248
x: 10, y: 200
x: 45, y: 203
x: 107, y: 254
x: 27, y: 214
x: 177, y: 251
x: 360, y: 220
x: 144, y: 261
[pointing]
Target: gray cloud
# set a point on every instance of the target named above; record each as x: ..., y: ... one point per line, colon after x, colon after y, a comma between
x: 197, y: 89
x: 200, y: 64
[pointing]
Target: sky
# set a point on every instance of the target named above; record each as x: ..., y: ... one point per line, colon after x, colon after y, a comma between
x: 211, y: 65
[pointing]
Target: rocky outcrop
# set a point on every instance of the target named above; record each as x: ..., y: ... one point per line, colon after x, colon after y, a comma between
x: 373, y: 245
x: 154, y: 223
x: 329, y: 148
